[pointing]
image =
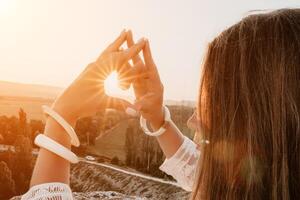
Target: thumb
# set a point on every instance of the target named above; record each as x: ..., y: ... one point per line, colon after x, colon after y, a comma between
x: 121, y: 105
x: 144, y: 103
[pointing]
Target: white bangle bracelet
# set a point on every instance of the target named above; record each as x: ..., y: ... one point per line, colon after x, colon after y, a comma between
x: 68, y: 128
x: 161, y: 130
x: 54, y: 147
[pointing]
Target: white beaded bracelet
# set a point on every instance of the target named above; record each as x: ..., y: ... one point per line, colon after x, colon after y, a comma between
x: 54, y: 147
x: 162, y: 129
x: 68, y: 128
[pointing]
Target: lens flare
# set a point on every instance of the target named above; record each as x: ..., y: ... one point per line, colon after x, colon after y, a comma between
x: 112, y: 89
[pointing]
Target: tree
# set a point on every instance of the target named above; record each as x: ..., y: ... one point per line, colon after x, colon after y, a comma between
x: 11, y: 130
x: 129, y: 146
x: 138, y: 165
x: 7, y: 184
x: 36, y: 126
x: 23, y: 122
x: 115, y: 161
x: 21, y: 163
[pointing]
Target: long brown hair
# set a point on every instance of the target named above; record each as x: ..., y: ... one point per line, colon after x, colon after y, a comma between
x: 249, y: 108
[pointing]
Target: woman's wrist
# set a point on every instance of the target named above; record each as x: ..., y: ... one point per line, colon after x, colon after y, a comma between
x: 158, y: 121
x: 56, y: 132
x: 67, y: 115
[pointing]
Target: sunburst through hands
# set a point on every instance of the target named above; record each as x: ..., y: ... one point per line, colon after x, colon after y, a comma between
x: 112, y: 88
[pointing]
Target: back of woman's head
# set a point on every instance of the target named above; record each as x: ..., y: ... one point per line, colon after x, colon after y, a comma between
x: 249, y: 108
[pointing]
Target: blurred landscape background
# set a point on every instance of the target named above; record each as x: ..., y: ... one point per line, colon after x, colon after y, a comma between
x: 129, y: 160
x: 49, y: 42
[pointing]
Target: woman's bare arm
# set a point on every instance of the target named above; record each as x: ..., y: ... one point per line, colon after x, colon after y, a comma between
x: 149, y: 93
x: 170, y: 140
x: 49, y: 167
x: 84, y: 97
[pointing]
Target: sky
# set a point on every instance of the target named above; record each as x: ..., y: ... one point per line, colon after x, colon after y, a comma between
x: 51, y: 41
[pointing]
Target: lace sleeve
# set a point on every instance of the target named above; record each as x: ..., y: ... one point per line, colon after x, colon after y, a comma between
x: 49, y: 191
x: 182, y: 165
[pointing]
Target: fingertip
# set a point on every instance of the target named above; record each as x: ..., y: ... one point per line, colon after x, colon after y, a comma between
x: 123, y: 34
x: 131, y: 111
x: 129, y: 32
x: 130, y: 41
x: 147, y: 44
x: 137, y: 106
x: 141, y: 43
x: 142, y: 40
x: 146, y: 49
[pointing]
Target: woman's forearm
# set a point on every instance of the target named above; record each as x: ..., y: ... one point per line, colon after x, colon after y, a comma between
x: 49, y: 167
x: 170, y: 140
x: 82, y: 98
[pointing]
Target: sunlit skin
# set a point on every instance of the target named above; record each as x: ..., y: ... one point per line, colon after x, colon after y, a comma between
x: 112, y: 88
x: 149, y: 91
x: 86, y: 96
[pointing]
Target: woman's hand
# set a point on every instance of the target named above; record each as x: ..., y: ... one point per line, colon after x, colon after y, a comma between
x: 147, y: 86
x: 85, y: 96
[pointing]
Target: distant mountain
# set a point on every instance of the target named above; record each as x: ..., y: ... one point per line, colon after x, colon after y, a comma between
x: 181, y: 103
x: 50, y: 92
x: 28, y: 90
x: 29, y: 97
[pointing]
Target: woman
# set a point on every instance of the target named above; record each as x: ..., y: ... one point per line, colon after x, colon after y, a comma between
x: 248, y: 110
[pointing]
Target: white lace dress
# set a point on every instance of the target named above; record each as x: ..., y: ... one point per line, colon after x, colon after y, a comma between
x: 182, y: 166
x: 49, y: 191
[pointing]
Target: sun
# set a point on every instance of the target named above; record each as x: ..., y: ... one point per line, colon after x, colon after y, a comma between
x: 111, y: 83
x: 7, y: 7
x: 111, y: 88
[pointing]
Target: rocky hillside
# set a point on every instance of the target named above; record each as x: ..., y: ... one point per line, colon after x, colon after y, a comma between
x: 87, y: 177
x: 92, y: 181
x: 98, y: 195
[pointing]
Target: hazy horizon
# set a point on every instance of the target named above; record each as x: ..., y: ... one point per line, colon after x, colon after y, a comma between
x: 50, y: 42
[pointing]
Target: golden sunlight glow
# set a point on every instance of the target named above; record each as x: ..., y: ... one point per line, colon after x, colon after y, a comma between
x: 111, y: 88
x: 6, y: 7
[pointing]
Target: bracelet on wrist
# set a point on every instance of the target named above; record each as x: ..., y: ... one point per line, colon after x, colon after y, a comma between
x: 51, y: 145
x: 162, y: 129
x: 68, y: 128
